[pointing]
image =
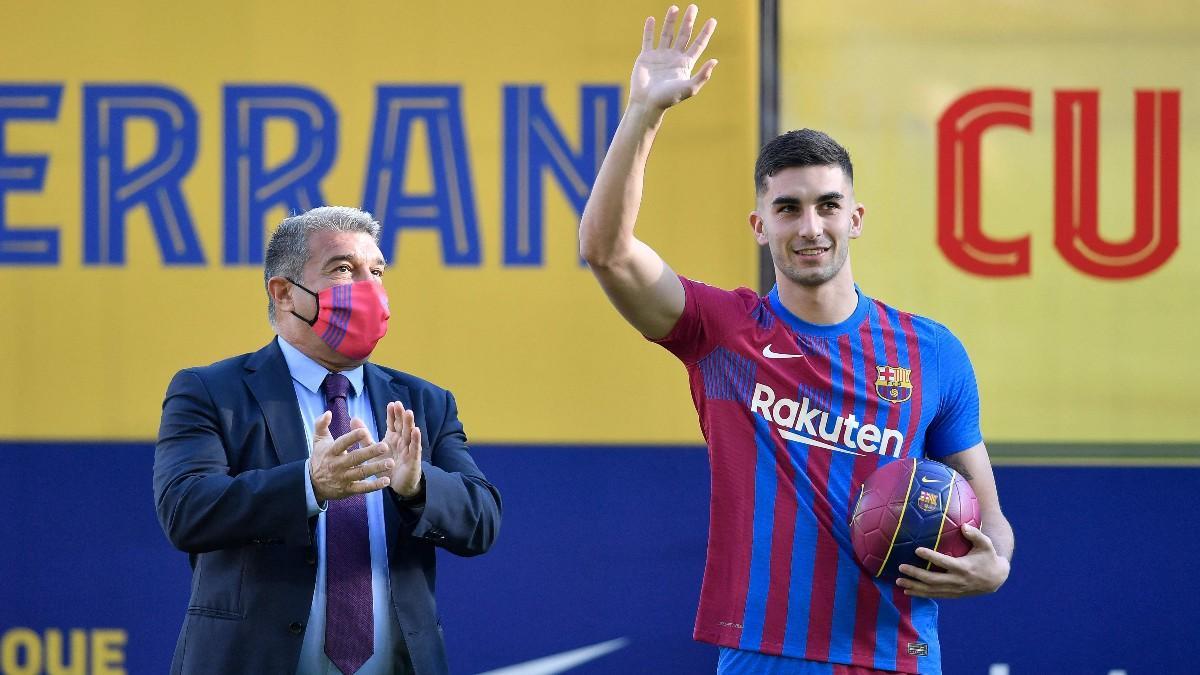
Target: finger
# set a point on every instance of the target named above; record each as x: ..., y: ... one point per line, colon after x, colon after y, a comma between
x: 917, y: 574
x: 356, y: 423
x: 701, y: 42
x: 668, y: 28
x: 367, y: 469
x: 414, y: 447
x: 977, y: 537
x: 391, y: 417
x: 350, y: 441
x: 360, y: 487
x: 321, y: 428
x: 685, y: 27
x: 648, y: 34
x: 702, y: 76
x: 940, y: 559
x: 361, y: 455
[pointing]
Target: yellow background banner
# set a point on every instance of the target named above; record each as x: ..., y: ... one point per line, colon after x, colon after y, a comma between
x: 1076, y: 334
x: 131, y: 253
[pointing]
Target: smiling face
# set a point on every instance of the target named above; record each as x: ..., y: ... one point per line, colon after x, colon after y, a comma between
x: 807, y: 216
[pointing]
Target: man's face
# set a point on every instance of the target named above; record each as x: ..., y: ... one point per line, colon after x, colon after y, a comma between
x: 807, y: 216
x: 336, y: 258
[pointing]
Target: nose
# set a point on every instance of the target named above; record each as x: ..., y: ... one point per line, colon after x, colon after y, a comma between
x: 808, y: 225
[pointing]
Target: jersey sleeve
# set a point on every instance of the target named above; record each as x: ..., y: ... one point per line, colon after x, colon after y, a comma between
x: 708, y: 313
x: 956, y: 425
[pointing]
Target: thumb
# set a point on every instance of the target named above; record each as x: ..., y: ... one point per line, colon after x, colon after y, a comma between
x: 321, y: 428
x: 703, y: 74
x: 976, y: 536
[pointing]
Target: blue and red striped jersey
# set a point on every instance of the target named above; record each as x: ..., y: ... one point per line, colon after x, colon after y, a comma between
x: 796, y: 416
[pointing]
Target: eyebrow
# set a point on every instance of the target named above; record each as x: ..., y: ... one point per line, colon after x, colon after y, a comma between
x: 833, y: 196
x: 350, y: 258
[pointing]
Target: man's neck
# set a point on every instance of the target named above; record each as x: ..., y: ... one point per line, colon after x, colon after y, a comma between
x: 830, y: 303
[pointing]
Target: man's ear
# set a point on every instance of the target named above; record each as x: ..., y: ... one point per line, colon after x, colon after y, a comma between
x: 758, y: 225
x: 856, y: 221
x: 280, y: 291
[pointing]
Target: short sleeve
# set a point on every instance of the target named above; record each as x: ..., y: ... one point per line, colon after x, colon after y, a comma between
x: 708, y: 314
x: 955, y: 426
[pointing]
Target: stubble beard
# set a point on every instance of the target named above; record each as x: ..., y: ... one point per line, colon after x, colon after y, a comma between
x: 810, y: 277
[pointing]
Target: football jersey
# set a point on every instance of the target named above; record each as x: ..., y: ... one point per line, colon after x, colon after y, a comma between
x: 796, y: 416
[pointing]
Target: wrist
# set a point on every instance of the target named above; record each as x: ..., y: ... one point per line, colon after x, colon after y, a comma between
x: 644, y: 114
x: 411, y: 493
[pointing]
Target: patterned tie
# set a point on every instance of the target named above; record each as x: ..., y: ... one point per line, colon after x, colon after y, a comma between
x: 349, y: 617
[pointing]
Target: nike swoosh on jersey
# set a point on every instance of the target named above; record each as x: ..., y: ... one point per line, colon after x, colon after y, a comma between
x: 771, y: 354
x: 927, y: 479
x: 563, y: 661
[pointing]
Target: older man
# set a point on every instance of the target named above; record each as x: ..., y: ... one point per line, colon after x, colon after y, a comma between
x: 311, y: 542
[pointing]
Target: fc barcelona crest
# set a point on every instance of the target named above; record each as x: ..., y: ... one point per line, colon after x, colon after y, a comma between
x: 894, y: 383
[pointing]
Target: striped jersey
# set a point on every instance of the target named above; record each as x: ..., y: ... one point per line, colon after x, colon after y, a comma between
x: 796, y: 416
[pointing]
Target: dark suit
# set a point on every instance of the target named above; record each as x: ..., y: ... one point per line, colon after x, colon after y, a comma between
x: 229, y: 488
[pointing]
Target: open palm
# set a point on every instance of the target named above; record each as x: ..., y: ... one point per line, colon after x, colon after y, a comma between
x: 662, y: 75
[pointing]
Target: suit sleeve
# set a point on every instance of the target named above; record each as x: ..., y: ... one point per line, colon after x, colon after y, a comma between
x: 201, y: 507
x: 462, y: 509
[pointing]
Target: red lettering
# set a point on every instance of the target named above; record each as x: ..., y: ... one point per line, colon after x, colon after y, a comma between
x: 1155, y: 234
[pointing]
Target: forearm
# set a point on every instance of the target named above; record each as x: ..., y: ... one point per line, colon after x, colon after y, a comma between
x: 606, y: 229
x: 996, y: 527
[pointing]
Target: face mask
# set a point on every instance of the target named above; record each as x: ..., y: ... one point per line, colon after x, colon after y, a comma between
x: 351, y: 318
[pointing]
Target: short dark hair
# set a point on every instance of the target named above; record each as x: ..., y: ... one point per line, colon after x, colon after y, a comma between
x: 801, y: 147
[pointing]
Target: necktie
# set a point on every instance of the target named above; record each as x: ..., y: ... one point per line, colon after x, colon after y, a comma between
x: 349, y: 619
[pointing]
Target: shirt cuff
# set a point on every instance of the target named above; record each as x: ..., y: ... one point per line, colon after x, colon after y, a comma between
x: 310, y: 498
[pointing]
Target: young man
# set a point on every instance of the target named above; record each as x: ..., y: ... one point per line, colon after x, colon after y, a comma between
x: 801, y: 395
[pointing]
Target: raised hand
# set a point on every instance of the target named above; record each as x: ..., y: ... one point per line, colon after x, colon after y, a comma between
x: 980, y: 571
x: 337, y: 470
x: 403, y: 440
x: 662, y: 75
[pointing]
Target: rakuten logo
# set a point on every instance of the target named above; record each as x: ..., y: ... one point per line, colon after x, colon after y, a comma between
x: 799, y: 421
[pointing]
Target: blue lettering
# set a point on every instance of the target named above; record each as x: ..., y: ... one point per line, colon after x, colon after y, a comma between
x: 112, y: 190
x: 532, y: 143
x: 26, y: 173
x: 450, y: 206
x: 252, y: 188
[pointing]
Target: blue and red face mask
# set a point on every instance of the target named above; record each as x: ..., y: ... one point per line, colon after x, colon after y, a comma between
x: 351, y: 318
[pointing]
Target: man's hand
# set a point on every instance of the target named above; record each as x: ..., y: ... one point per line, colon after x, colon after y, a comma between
x: 403, y: 440
x: 662, y: 76
x: 338, y: 470
x: 980, y: 571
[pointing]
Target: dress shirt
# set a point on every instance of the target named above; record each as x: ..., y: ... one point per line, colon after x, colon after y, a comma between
x: 307, y: 376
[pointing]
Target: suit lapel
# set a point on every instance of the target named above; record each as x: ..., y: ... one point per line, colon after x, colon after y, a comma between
x: 270, y: 384
x: 384, y: 389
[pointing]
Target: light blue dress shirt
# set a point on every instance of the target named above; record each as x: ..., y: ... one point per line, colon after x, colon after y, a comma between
x: 307, y: 376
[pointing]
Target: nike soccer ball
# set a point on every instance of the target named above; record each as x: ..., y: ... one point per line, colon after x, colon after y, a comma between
x: 908, y: 504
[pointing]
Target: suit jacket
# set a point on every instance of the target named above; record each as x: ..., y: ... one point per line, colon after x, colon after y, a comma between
x: 229, y: 489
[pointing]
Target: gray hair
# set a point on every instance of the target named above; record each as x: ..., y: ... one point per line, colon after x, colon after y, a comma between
x: 287, y: 252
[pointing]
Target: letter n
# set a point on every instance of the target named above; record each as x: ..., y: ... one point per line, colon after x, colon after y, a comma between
x: 450, y: 207
x: 1156, y: 185
x: 26, y: 173
x: 112, y: 188
x: 960, y: 137
x: 533, y: 143
x: 251, y: 187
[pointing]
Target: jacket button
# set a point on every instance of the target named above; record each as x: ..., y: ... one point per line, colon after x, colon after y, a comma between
x: 310, y: 557
x: 296, y: 628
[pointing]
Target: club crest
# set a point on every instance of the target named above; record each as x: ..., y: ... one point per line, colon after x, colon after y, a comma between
x: 893, y: 383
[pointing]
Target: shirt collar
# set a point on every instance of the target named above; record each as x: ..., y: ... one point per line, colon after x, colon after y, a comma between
x: 311, y: 374
x: 803, y: 327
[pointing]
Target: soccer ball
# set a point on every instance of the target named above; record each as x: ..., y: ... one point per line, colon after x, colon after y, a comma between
x: 907, y: 504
